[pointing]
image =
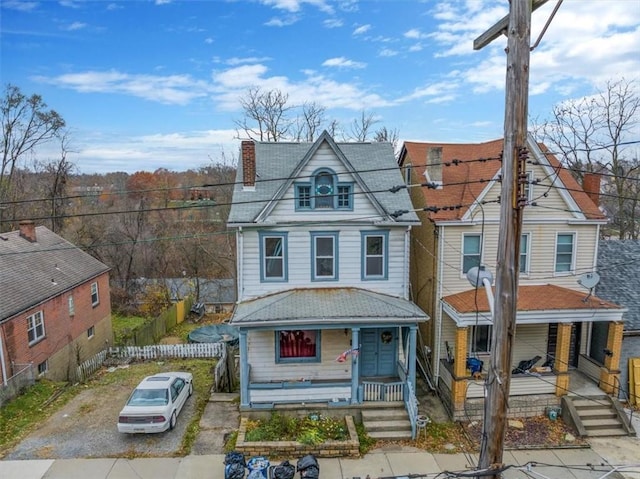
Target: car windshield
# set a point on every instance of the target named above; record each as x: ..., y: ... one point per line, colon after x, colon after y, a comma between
x: 149, y: 397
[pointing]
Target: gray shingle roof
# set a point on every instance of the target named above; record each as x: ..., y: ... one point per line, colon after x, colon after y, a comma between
x: 325, y: 306
x: 373, y: 163
x: 34, y: 272
x: 619, y: 270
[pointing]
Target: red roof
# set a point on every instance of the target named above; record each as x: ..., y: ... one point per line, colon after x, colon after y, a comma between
x: 461, y: 183
x: 531, y: 298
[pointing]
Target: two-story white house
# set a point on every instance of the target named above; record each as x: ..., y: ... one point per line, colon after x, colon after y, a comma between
x: 557, y: 310
x: 323, y: 308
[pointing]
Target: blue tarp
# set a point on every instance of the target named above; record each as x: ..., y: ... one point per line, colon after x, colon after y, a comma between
x: 215, y: 333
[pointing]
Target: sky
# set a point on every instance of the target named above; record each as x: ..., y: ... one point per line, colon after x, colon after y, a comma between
x: 149, y: 84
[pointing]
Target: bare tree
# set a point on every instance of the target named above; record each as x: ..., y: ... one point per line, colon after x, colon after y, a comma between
x: 26, y: 123
x: 384, y: 134
x: 361, y: 126
x: 309, y: 122
x: 57, y: 175
x: 265, y: 115
x: 590, y: 134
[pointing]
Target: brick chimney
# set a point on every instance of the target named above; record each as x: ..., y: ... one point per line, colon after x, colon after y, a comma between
x: 591, y: 186
x: 248, y: 152
x: 28, y: 230
x: 434, y: 165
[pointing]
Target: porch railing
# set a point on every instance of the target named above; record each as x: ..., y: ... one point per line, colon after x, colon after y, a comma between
x: 411, y: 403
x: 387, y: 392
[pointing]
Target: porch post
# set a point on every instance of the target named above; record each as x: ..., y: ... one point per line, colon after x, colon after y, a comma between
x: 413, y: 334
x: 244, y: 369
x: 459, y: 384
x: 610, y: 373
x: 355, y: 370
x: 561, y: 362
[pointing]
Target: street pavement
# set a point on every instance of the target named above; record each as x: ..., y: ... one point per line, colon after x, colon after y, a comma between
x: 573, y: 463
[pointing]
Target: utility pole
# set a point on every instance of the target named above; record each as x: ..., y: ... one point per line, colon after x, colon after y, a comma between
x: 518, y: 28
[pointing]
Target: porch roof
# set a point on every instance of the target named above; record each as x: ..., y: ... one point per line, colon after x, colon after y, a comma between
x: 536, y: 304
x: 325, y: 307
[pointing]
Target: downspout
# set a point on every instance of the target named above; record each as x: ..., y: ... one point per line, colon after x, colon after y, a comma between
x: 239, y: 261
x: 438, y: 306
x: 405, y: 276
x: 4, y: 366
x: 245, y: 400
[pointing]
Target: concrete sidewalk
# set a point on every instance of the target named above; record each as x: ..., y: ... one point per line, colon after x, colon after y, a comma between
x: 583, y: 463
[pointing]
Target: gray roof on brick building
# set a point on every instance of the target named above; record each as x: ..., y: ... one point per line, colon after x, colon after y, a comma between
x: 619, y: 270
x: 33, y: 272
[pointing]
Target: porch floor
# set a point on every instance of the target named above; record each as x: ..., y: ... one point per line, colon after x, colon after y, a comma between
x: 582, y: 385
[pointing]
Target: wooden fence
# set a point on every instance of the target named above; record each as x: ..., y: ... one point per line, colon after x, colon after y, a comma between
x: 156, y: 351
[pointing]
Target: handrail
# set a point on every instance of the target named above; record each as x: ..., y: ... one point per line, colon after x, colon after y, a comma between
x: 411, y: 403
x: 617, y: 384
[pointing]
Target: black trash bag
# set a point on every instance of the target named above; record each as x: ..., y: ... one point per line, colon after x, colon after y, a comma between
x: 235, y: 457
x: 311, y: 472
x: 284, y: 470
x: 308, y: 467
x: 524, y: 366
x: 234, y: 471
x: 234, y: 465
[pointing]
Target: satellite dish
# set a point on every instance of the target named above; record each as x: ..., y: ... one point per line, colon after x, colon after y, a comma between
x: 589, y: 280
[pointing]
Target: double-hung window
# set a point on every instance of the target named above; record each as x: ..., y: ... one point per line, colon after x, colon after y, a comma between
x: 471, y: 251
x: 375, y: 254
x: 524, y: 253
x: 324, y: 256
x: 297, y: 346
x: 345, y: 197
x: 273, y: 256
x: 95, y: 298
x: 303, y: 197
x: 565, y: 248
x: 35, y: 327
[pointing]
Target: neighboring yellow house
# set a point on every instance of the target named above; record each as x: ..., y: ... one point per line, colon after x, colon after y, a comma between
x: 556, y: 313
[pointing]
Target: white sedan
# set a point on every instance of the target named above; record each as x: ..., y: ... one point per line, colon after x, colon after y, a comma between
x: 155, y: 403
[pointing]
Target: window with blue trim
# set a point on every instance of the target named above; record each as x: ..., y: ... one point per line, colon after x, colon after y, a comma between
x: 324, y: 192
x: 324, y: 256
x: 273, y: 256
x: 375, y: 256
x: 297, y: 346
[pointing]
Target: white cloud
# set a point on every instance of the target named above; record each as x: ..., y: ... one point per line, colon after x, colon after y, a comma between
x: 333, y: 23
x: 362, y: 29
x: 387, y: 52
x: 414, y: 34
x: 75, y: 26
x: 282, y: 21
x: 240, y: 61
x: 296, y: 5
x: 172, y: 89
x: 342, y: 62
x: 162, y: 2
x: 19, y: 5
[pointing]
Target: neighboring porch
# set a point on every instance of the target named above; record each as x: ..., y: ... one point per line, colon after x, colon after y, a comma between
x: 561, y: 333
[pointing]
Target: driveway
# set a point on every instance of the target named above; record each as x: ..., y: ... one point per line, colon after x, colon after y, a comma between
x: 86, y: 427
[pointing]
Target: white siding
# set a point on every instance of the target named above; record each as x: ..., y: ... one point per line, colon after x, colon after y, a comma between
x: 261, y: 357
x: 323, y: 158
x: 299, y: 262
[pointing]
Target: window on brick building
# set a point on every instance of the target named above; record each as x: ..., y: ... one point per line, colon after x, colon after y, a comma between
x: 95, y: 298
x: 91, y: 332
x: 35, y: 327
x: 43, y: 368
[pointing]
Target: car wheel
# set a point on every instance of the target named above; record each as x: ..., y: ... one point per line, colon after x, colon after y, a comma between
x: 190, y: 389
x: 173, y: 420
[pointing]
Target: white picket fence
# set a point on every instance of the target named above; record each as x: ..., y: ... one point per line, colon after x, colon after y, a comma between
x: 157, y: 351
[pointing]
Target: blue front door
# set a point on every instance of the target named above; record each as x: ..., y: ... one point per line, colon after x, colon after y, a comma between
x: 378, y: 352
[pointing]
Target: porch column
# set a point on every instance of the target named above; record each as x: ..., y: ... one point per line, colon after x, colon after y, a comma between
x: 610, y: 373
x: 413, y: 334
x: 355, y: 370
x: 244, y: 369
x: 561, y: 362
x: 459, y: 384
